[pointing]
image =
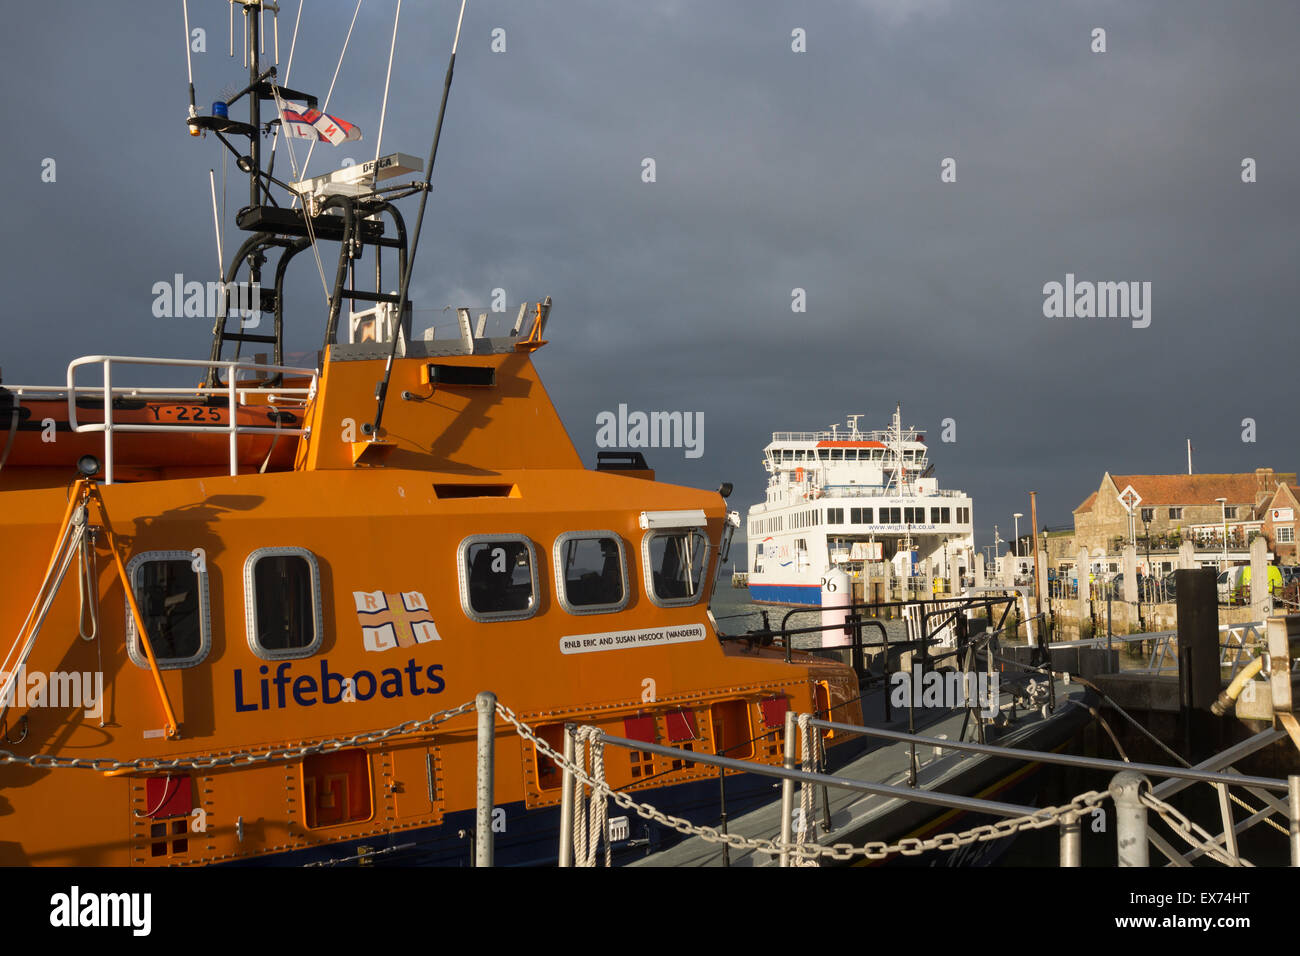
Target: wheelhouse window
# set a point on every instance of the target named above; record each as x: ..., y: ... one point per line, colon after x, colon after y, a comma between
x: 282, y: 603
x: 590, y: 572
x: 172, y: 595
x: 498, y: 577
x: 675, y: 562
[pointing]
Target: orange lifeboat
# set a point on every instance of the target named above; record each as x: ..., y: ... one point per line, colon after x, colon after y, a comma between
x: 38, y: 434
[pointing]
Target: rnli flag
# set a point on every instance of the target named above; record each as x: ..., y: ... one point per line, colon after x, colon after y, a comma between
x: 313, y: 124
x: 394, y: 620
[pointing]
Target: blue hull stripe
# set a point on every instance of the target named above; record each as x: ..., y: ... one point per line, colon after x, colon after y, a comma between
x: 810, y: 594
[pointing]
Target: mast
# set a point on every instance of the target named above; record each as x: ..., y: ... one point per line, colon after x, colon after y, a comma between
x: 254, y: 109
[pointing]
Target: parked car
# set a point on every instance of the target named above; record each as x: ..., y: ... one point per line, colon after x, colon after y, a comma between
x: 1146, y: 587
x: 1234, y: 583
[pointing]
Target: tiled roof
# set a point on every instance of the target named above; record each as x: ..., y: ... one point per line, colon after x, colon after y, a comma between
x: 1157, y: 490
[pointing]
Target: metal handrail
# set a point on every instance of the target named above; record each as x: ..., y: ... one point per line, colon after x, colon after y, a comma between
x: 1068, y: 760
x: 232, y: 391
x: 951, y: 801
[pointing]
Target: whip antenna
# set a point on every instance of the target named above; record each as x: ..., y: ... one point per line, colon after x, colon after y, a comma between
x: 381, y: 391
x: 189, y: 66
x: 216, y: 221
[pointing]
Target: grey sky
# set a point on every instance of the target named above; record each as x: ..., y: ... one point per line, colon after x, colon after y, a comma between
x: 776, y: 170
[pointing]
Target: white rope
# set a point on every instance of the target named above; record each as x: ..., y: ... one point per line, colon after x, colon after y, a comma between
x: 383, y: 110
x: 589, y: 825
x: 805, y: 788
x: 16, y: 658
x: 326, y: 107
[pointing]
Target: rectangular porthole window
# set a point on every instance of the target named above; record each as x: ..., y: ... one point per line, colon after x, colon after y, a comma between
x: 173, y: 601
x: 675, y: 562
x: 590, y: 572
x: 282, y: 603
x: 498, y: 577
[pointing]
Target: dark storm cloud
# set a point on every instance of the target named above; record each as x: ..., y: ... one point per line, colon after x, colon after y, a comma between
x: 775, y: 170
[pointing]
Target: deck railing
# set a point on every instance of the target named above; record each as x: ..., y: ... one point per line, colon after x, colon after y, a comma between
x: 232, y: 391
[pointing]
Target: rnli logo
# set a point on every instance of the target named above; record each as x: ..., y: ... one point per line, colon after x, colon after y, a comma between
x: 394, y: 620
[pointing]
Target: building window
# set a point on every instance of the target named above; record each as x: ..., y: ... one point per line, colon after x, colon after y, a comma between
x: 1230, y: 511
x: 1148, y: 514
x: 1175, y: 514
x: 498, y: 577
x: 173, y: 601
x: 1286, y: 534
x: 675, y: 562
x: 590, y: 575
x: 282, y: 604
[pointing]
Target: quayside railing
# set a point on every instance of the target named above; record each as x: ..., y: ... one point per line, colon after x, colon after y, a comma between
x: 584, y: 823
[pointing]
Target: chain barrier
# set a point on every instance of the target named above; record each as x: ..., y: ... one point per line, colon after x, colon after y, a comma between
x: 812, y: 852
x: 1190, y: 831
x: 239, y: 759
x: 590, y: 825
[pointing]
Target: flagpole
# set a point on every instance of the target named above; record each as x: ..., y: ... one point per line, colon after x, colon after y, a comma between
x: 1189, y: 456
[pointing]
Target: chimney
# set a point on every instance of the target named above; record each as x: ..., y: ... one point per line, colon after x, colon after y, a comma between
x: 1264, y: 485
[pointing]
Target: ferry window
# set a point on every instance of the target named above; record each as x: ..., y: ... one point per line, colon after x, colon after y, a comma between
x: 824, y: 454
x: 934, y: 516
x: 787, y: 455
x: 835, y: 516
x: 282, y: 604
x: 675, y: 562
x: 498, y: 578
x: 850, y: 454
x: 173, y: 601
x: 945, y: 515
x: 891, y: 515
x: 589, y: 572
x: 837, y: 454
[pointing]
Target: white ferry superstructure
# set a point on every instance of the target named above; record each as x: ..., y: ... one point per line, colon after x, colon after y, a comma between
x: 845, y: 499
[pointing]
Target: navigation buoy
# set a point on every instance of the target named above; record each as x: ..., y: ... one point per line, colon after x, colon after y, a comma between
x: 836, y: 595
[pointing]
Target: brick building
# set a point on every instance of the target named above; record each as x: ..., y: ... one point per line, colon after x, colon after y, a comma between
x: 1174, y: 508
x: 1278, y: 523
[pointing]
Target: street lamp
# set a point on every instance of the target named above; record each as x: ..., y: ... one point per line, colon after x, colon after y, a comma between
x: 1223, y: 505
x: 1017, y: 516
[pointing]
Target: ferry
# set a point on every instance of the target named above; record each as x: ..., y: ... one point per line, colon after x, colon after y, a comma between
x: 844, y: 504
x: 250, y: 613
